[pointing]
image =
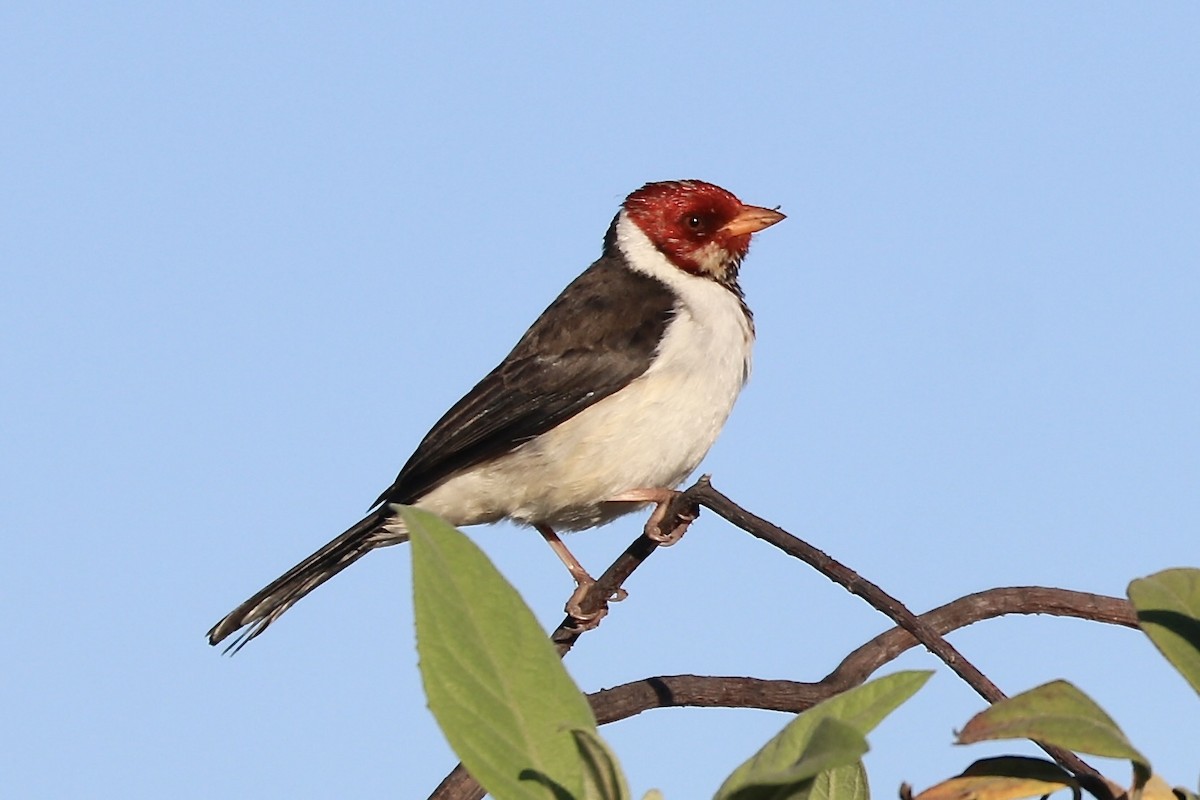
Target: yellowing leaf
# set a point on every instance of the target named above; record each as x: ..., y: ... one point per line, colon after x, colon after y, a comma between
x: 1157, y: 789
x: 1182, y: 793
x: 1007, y: 778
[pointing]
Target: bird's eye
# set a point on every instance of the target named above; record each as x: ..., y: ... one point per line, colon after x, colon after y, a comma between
x: 694, y: 221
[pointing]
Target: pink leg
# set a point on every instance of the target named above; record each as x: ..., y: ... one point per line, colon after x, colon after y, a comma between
x: 568, y: 558
x: 583, y: 580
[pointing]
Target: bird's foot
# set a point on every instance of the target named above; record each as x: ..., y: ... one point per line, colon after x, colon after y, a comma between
x: 663, y: 500
x: 586, y: 620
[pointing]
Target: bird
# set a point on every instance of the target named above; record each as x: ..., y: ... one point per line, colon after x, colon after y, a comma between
x: 607, y: 402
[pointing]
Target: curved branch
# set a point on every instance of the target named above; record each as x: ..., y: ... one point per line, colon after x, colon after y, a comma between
x: 704, y: 494
x: 927, y: 629
x: 668, y: 691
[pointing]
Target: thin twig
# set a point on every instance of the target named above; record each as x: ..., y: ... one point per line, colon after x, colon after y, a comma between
x: 711, y: 691
x: 707, y: 691
x: 704, y: 494
x: 595, y: 600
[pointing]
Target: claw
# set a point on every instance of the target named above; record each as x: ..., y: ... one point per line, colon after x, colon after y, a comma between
x: 662, y: 499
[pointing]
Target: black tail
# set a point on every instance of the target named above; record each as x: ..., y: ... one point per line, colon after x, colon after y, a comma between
x: 282, y: 593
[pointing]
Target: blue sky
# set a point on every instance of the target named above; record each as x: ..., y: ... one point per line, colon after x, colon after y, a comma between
x: 253, y: 252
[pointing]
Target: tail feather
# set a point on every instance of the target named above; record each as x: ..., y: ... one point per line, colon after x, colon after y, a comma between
x: 269, y: 603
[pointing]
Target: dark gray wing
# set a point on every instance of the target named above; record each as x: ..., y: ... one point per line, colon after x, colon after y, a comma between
x: 596, y: 337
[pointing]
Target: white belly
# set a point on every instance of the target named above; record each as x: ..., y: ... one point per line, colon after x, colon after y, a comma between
x: 650, y: 434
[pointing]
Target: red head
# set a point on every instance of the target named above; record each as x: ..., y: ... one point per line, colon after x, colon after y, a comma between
x: 701, y: 228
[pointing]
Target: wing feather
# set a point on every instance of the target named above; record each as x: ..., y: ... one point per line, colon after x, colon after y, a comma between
x: 596, y: 337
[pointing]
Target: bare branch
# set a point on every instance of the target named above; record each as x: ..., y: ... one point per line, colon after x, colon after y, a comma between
x: 704, y: 494
x: 668, y: 691
x: 458, y: 785
x: 630, y: 699
x: 595, y: 601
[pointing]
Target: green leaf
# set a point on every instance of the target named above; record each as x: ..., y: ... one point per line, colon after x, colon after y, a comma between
x: 602, y: 775
x: 833, y: 744
x: 860, y: 709
x: 1055, y: 713
x: 840, y: 783
x: 492, y: 678
x: 1003, y: 778
x: 1168, y: 609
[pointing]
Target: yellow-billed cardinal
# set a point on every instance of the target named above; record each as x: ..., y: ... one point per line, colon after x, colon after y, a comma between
x: 614, y: 394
